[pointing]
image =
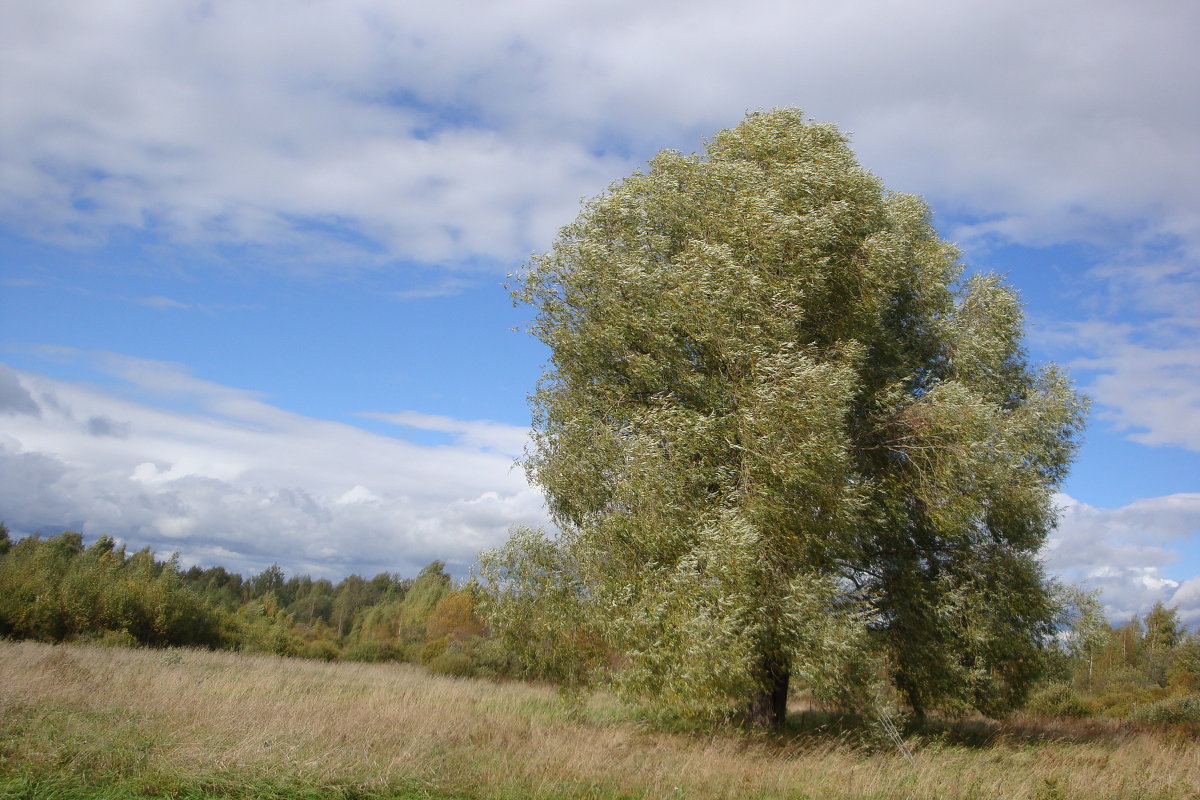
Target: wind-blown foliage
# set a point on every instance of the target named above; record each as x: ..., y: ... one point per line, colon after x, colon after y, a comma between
x: 57, y: 590
x: 777, y: 423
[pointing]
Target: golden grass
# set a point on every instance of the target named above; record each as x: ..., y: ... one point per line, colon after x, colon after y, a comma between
x: 146, y: 715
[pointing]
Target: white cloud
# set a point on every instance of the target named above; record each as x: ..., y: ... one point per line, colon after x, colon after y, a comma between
x: 452, y: 130
x: 237, y: 480
x: 215, y: 123
x: 1140, y: 350
x: 358, y: 494
x: 483, y: 434
x: 365, y: 131
x: 1123, y: 552
x: 1187, y: 599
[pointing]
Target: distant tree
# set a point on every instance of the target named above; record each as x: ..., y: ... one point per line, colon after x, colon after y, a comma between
x: 453, y: 618
x: 388, y: 584
x: 430, y: 586
x: 270, y: 580
x: 313, y: 600
x: 777, y: 423
x: 1163, y: 630
x: 351, y: 595
x: 1183, y: 674
x: 219, y: 587
x: 56, y: 590
x: 1163, y: 635
x: 1087, y: 630
x: 265, y: 627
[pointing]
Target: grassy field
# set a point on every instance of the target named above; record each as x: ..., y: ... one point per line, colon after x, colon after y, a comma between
x: 107, y: 723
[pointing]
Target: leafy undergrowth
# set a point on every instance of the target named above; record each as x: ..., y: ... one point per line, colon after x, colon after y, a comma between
x: 102, y: 723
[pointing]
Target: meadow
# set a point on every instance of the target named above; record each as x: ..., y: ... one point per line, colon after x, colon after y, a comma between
x: 80, y: 721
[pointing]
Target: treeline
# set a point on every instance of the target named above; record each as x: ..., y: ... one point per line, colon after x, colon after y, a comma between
x: 59, y: 589
x: 1147, y: 668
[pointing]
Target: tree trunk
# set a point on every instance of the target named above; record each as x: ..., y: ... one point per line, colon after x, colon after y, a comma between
x: 768, y: 706
x: 916, y: 702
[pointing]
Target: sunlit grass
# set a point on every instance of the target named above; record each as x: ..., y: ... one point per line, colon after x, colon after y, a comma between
x: 78, y: 722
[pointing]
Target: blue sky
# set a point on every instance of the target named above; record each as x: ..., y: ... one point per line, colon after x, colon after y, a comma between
x: 252, y: 253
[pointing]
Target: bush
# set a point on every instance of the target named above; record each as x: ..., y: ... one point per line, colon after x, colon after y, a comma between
x: 1057, y: 700
x: 370, y: 652
x: 1121, y: 700
x: 455, y: 662
x: 431, y: 650
x: 320, y: 649
x: 1170, y: 710
x: 492, y: 659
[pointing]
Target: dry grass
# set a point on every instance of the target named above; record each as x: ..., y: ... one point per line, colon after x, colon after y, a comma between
x: 186, y: 718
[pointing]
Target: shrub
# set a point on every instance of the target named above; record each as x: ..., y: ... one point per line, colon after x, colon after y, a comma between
x: 1170, y: 710
x: 455, y: 662
x: 370, y: 652
x: 492, y: 659
x: 431, y: 650
x: 319, y: 649
x: 1057, y: 700
x: 1121, y: 700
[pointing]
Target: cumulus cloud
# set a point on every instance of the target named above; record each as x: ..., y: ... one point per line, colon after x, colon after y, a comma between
x: 366, y: 131
x: 222, y: 476
x: 454, y: 131
x: 1187, y: 599
x: 236, y: 481
x: 1124, y: 551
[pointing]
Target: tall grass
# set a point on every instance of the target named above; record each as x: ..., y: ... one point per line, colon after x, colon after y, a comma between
x: 128, y: 723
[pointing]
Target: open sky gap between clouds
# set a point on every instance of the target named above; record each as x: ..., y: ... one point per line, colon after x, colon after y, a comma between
x: 172, y: 150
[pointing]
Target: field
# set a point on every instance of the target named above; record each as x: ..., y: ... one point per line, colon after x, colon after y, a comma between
x: 111, y: 723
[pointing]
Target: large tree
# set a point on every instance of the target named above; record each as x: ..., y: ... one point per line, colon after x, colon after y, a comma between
x: 779, y: 428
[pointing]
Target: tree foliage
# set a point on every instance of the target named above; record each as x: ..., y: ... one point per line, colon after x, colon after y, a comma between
x: 58, y: 589
x: 1137, y: 668
x: 778, y: 423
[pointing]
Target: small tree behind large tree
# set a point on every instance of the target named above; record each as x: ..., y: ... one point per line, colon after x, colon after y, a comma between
x: 779, y: 431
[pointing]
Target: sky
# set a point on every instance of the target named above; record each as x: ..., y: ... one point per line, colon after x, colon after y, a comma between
x: 253, y: 254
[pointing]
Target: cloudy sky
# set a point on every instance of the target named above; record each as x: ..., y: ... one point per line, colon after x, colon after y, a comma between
x: 252, y: 252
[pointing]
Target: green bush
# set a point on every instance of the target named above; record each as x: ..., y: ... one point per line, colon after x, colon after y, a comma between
x: 492, y: 659
x: 1057, y: 700
x: 56, y: 590
x: 1169, y: 710
x: 455, y: 662
x: 431, y: 650
x: 1121, y: 700
x: 320, y: 650
x: 371, y: 652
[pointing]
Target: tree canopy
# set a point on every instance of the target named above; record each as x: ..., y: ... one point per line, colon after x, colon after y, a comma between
x: 784, y: 436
